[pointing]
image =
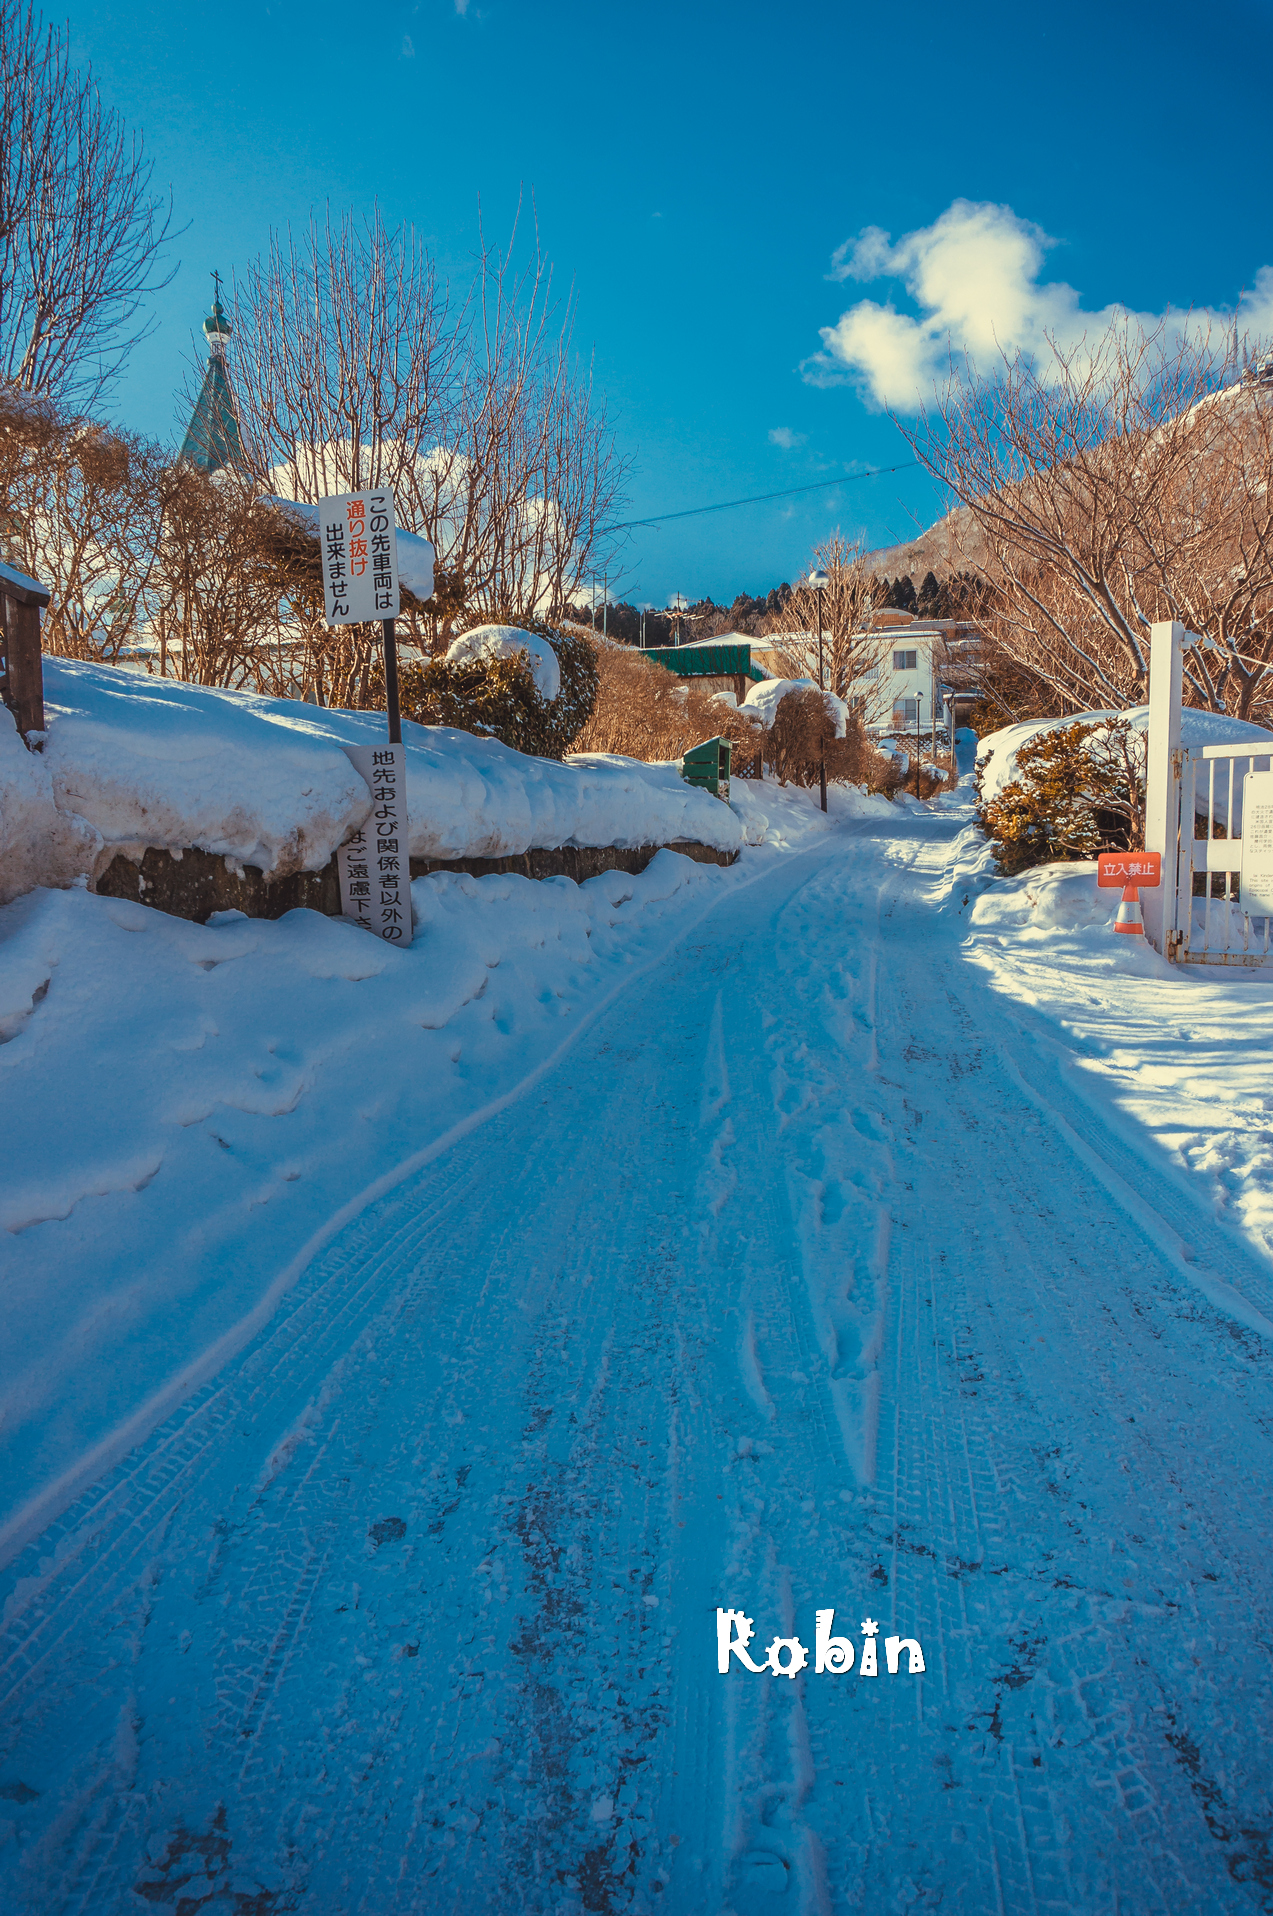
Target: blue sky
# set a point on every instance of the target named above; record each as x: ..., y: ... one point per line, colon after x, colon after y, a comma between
x: 695, y: 168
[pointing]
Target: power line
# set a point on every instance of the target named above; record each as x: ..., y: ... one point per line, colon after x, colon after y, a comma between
x: 760, y: 498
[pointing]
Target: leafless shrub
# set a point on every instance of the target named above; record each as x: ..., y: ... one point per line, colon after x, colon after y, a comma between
x: 81, y: 511
x: 80, y: 229
x: 354, y: 369
x: 851, y: 651
x: 802, y: 739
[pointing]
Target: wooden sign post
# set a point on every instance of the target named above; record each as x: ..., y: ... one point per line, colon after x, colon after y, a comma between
x: 21, y: 665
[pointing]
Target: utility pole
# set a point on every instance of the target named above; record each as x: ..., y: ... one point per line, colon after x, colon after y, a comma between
x: 818, y: 580
x: 919, y: 700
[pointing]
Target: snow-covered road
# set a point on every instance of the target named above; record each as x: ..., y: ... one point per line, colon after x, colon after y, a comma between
x: 806, y: 1280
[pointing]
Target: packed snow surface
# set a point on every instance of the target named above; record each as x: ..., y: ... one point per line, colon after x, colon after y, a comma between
x: 139, y: 761
x: 848, y: 1231
x: 509, y: 642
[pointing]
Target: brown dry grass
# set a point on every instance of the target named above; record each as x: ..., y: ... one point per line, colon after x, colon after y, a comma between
x: 644, y: 711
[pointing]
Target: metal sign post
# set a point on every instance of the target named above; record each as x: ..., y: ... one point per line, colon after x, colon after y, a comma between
x: 357, y: 533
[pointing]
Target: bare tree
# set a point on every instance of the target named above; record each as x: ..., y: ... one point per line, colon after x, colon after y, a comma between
x: 354, y: 369
x: 81, y: 512
x: 80, y: 229
x: 852, y: 647
x: 1126, y: 480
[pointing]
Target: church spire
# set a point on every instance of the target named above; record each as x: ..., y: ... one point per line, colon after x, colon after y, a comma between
x: 212, y: 438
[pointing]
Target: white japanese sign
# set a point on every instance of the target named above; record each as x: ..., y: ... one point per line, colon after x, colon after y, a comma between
x: 1257, y: 844
x: 357, y: 533
x: 375, y: 865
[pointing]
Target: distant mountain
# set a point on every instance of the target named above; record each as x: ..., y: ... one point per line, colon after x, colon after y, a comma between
x: 953, y: 544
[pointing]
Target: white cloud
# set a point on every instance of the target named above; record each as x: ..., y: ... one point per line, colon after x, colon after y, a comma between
x: 975, y: 275
x: 461, y: 7
x: 408, y: 47
x: 783, y: 436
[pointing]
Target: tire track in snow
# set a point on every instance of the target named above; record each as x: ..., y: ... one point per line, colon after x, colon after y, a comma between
x: 591, y: 1359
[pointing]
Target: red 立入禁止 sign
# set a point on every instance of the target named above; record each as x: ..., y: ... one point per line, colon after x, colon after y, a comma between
x: 1129, y: 868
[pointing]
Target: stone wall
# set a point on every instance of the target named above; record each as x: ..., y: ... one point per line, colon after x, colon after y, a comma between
x: 194, y: 884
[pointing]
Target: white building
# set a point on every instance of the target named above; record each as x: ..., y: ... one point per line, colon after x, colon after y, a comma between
x: 924, y: 666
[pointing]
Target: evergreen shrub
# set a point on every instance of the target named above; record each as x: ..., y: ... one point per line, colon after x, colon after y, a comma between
x: 1079, y: 790
x: 498, y: 698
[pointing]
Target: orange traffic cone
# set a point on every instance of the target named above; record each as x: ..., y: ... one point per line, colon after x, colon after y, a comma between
x: 1128, y: 916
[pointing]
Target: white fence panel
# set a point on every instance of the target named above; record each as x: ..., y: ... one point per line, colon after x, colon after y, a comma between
x: 1212, y: 925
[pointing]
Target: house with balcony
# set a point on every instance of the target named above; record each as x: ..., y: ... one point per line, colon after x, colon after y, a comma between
x: 924, y: 670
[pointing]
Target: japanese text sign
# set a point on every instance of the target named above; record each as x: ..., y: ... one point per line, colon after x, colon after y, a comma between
x: 374, y: 865
x: 1129, y: 868
x: 357, y: 537
x: 1257, y: 844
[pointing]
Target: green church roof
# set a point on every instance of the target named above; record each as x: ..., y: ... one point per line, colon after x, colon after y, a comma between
x: 212, y: 438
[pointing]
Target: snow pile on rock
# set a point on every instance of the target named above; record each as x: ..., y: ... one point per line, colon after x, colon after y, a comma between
x: 133, y: 761
x: 508, y: 642
x: 997, y: 752
x: 763, y: 700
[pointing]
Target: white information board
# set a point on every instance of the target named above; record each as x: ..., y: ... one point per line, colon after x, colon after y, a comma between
x: 1257, y: 844
x: 358, y: 535
x: 375, y: 865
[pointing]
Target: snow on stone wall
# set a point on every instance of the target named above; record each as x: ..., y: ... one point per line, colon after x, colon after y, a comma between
x: 38, y: 844
x: 133, y: 761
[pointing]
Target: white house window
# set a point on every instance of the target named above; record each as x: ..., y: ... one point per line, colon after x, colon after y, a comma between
x: 906, y: 711
x: 905, y: 661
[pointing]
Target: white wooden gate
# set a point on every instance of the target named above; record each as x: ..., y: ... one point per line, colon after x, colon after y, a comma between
x: 1195, y: 799
x: 1213, y: 923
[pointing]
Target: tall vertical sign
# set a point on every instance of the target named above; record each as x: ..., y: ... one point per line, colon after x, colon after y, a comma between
x: 357, y: 534
x: 375, y: 864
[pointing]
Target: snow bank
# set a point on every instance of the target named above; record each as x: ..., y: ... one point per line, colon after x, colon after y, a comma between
x: 997, y: 754
x: 1174, y: 1054
x: 509, y: 642
x: 38, y: 844
x: 762, y: 701
x: 182, y: 1107
x: 143, y: 761
x: 150, y: 761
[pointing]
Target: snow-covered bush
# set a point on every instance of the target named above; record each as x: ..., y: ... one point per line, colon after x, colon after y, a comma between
x: 487, y: 642
x: 1079, y: 789
x: 806, y: 734
x: 488, y: 683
